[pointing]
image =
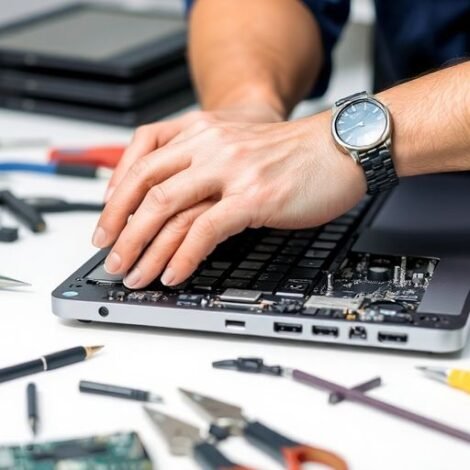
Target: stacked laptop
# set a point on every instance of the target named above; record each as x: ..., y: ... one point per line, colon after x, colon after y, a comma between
x: 100, y: 63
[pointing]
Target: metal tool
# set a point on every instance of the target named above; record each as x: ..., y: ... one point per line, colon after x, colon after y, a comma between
x: 356, y: 395
x: 184, y: 439
x: 7, y: 282
x: 228, y: 420
x: 456, y: 378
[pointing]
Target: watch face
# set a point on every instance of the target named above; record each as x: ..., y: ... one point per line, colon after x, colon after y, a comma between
x: 361, y: 124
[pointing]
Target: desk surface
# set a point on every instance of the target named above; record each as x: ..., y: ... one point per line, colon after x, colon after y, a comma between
x: 161, y: 360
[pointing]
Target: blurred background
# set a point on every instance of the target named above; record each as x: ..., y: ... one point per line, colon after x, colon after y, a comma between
x: 352, y: 55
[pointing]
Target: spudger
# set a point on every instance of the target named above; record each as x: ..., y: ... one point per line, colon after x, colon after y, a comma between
x: 22, y: 211
x: 49, y: 362
x: 118, y: 391
x: 32, y: 403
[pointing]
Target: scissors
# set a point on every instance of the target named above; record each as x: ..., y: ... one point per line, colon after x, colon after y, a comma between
x: 7, y: 282
x: 228, y: 420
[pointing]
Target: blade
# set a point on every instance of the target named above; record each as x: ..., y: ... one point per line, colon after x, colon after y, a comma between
x: 6, y: 282
x: 214, y: 410
x: 179, y: 435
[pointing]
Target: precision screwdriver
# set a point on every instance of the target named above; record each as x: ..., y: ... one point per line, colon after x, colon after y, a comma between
x: 456, y: 378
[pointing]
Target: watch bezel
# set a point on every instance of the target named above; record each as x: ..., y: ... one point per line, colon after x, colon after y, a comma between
x: 383, y: 138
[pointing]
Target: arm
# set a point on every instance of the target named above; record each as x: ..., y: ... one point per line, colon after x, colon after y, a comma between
x: 252, y: 61
x: 285, y: 175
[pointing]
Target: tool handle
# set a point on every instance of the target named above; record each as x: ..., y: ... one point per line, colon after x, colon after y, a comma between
x: 210, y: 458
x: 66, y: 357
x: 21, y: 370
x: 289, y: 452
x: 460, y: 379
x: 107, y: 156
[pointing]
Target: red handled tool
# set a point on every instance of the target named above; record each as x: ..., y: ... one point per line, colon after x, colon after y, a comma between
x: 227, y: 420
x: 100, y: 156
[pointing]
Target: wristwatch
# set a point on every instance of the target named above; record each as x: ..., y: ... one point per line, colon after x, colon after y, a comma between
x: 362, y: 127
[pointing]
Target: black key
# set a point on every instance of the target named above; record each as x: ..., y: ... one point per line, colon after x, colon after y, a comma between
x: 305, y: 233
x: 304, y: 273
x: 258, y: 256
x: 271, y: 277
x: 265, y: 248
x: 344, y: 220
x: 295, y: 287
x: 203, y: 283
x: 277, y: 268
x: 310, y: 263
x: 336, y: 228
x: 298, y: 242
x: 291, y: 250
x: 250, y: 265
x: 211, y: 272
x: 330, y: 236
x: 280, y: 233
x: 273, y: 240
x: 283, y: 259
x: 220, y: 264
x: 265, y: 286
x: 324, y: 245
x: 236, y: 283
x: 243, y: 274
x: 320, y: 254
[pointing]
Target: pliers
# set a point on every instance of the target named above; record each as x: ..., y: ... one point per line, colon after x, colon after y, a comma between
x: 228, y: 420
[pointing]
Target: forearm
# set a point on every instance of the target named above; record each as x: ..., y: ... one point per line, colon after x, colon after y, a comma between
x: 253, y: 53
x: 431, y: 122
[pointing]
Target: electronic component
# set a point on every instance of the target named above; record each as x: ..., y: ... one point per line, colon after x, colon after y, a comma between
x: 240, y: 295
x: 113, y: 451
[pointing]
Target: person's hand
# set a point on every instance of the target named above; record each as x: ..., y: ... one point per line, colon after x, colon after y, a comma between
x: 150, y: 137
x: 213, y: 181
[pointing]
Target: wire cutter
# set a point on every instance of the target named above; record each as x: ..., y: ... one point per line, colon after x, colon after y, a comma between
x: 185, y: 439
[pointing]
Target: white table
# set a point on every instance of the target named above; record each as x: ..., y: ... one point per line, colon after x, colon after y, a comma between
x: 162, y: 360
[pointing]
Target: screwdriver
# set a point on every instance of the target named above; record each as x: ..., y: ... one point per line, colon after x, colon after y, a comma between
x: 456, y: 378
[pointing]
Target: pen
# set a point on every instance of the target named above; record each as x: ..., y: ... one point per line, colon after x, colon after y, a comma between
x: 49, y: 362
x: 32, y: 403
x: 119, y: 392
x: 456, y: 378
x: 27, y: 214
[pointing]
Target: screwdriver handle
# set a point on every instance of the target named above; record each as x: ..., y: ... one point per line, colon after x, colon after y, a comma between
x: 460, y: 379
x: 210, y: 458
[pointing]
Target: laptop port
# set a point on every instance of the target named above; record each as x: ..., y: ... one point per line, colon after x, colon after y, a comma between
x: 393, y: 337
x: 325, y: 331
x: 287, y: 328
x: 357, y: 332
x: 235, y: 324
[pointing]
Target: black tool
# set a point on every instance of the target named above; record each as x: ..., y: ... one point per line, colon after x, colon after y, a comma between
x: 22, y: 211
x: 118, y: 392
x: 352, y: 394
x: 49, y: 362
x: 51, y: 205
x: 32, y: 402
x: 8, y: 234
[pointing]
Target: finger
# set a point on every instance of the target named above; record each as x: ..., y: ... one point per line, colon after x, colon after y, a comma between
x: 226, y: 218
x: 162, y: 248
x: 161, y: 203
x: 143, y: 175
x: 146, y: 139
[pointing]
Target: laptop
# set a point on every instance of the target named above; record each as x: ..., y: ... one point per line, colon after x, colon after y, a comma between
x: 393, y: 272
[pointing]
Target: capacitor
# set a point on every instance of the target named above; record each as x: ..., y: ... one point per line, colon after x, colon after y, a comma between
x: 378, y: 274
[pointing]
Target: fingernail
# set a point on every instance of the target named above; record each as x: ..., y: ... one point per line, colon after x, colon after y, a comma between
x: 107, y: 195
x: 133, y: 278
x: 112, y: 263
x: 99, y: 238
x: 168, y: 277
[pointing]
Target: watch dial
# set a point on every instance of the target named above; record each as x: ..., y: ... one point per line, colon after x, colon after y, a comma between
x: 361, y: 124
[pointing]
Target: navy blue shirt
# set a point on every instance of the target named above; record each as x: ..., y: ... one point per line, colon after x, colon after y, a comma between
x: 410, y: 36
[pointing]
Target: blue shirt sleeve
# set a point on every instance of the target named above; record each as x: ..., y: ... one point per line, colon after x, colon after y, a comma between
x: 331, y: 16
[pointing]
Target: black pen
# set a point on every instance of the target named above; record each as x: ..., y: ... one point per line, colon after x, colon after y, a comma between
x: 118, y: 392
x: 32, y: 403
x: 22, y: 211
x: 49, y: 362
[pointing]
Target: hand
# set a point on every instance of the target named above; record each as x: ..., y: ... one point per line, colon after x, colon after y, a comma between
x: 215, y: 180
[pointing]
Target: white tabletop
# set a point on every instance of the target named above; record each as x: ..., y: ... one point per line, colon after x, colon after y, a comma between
x: 161, y: 360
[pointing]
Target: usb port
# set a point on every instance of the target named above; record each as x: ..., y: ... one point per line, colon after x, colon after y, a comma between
x: 325, y: 331
x: 235, y: 324
x: 357, y: 332
x: 393, y: 337
x: 287, y: 328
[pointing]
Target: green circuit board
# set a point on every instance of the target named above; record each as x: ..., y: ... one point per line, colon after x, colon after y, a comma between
x: 119, y: 451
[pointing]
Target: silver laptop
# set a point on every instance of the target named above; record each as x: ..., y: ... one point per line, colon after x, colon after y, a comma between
x: 394, y: 272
